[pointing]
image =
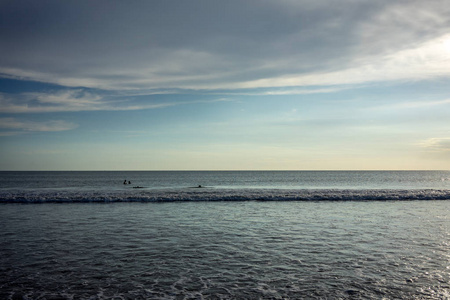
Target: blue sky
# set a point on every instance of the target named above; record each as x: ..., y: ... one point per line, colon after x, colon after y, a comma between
x: 224, y: 85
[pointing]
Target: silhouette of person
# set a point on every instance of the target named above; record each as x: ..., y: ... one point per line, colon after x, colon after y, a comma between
x: 129, y: 182
x: 125, y: 181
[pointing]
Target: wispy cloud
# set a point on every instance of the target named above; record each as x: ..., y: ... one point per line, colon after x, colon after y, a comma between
x: 76, y: 100
x: 59, y: 101
x: 65, y: 101
x: 411, y: 105
x: 285, y: 91
x: 428, y: 60
x: 437, y: 146
x: 13, y: 126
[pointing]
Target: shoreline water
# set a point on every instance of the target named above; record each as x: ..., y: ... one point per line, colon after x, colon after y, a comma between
x: 248, y: 235
x: 210, y: 250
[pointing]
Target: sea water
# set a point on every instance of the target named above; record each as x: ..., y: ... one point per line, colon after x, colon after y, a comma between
x: 243, y: 235
x: 222, y: 186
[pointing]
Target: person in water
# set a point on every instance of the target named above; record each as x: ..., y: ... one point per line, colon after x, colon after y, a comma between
x: 125, y: 181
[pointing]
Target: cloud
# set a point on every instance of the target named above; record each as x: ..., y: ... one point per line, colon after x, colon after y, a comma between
x: 411, y: 105
x: 428, y: 60
x: 401, y: 24
x: 437, y: 147
x: 13, y: 126
x: 285, y: 91
x: 222, y: 44
x: 437, y: 144
x: 76, y: 100
x: 64, y: 101
x: 56, y: 101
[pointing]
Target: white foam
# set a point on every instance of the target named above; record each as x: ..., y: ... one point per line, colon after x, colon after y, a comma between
x: 171, y: 195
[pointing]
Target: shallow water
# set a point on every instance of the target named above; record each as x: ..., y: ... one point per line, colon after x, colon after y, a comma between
x: 228, y: 250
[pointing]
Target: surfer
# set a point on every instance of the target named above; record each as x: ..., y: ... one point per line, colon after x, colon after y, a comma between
x: 125, y: 181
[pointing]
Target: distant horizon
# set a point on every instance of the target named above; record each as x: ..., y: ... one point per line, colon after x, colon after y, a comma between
x: 372, y: 170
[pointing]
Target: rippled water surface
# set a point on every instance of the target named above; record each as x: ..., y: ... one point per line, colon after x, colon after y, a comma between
x: 228, y: 250
x: 160, y: 186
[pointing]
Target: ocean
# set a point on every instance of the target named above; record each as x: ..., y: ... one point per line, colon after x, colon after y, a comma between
x: 240, y: 235
x: 166, y: 186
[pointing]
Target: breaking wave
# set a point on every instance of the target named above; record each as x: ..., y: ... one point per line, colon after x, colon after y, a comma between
x: 212, y: 194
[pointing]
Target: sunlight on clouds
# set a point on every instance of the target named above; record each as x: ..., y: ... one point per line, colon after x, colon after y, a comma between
x: 426, y: 61
x: 274, y: 44
x: 446, y: 44
x: 437, y: 145
x: 288, y: 91
x: 431, y: 59
x: 386, y: 30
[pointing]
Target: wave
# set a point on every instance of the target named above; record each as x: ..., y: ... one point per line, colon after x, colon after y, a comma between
x: 174, y: 195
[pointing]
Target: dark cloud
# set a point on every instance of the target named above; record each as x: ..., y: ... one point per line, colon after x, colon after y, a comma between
x: 121, y: 44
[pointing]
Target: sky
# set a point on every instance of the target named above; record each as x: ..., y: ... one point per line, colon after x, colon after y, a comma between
x: 225, y: 85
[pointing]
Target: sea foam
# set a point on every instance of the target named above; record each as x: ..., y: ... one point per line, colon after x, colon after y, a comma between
x: 212, y: 194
